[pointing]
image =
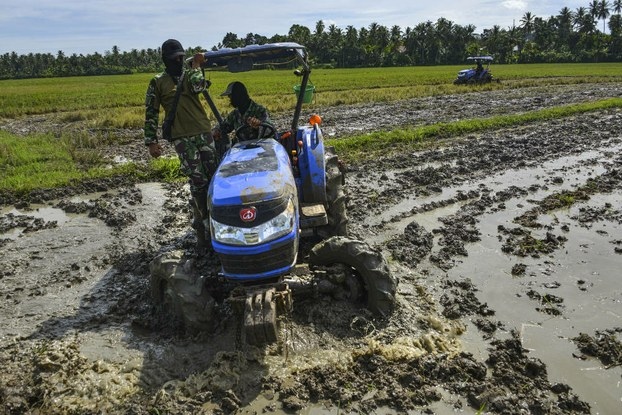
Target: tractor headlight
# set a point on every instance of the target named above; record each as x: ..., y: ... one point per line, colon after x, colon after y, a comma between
x: 276, y: 227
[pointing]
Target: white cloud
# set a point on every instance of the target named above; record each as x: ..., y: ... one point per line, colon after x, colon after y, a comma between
x: 514, y: 4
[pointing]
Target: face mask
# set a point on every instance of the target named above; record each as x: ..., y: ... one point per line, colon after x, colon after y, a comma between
x: 174, y: 67
x: 239, y: 98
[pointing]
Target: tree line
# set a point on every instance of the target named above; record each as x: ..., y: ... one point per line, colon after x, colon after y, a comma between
x: 569, y: 36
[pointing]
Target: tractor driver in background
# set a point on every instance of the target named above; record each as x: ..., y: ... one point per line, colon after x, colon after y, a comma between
x: 247, y: 113
x: 479, y: 69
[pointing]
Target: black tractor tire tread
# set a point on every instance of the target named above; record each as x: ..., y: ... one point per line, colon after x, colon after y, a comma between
x: 190, y: 301
x: 336, y: 197
x: 370, y: 264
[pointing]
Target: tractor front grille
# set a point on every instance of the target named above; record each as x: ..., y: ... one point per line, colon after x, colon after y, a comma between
x: 279, y: 256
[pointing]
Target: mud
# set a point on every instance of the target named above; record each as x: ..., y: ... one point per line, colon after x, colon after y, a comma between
x: 506, y: 244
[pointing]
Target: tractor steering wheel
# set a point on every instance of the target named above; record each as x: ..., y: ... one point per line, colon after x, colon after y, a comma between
x: 246, y: 132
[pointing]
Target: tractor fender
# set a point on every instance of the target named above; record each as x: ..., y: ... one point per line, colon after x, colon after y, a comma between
x: 311, y: 164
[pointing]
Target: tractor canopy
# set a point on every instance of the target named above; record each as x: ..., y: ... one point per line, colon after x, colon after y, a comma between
x: 480, y: 58
x: 249, y: 57
x: 245, y: 58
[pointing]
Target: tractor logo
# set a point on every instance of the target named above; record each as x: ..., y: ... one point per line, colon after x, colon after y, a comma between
x: 248, y: 214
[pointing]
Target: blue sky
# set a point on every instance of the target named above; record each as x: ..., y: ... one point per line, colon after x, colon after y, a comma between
x: 85, y: 27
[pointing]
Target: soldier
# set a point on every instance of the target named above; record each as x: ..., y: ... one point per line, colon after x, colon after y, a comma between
x: 186, y: 127
x: 246, y: 113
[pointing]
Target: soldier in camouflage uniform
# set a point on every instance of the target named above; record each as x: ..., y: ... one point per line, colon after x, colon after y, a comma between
x: 246, y: 113
x: 191, y: 129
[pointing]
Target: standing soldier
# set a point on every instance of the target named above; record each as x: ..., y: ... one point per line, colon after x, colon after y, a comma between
x: 185, y: 126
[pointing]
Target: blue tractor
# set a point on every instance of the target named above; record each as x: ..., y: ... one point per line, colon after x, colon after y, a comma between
x: 266, y: 195
x: 479, y: 74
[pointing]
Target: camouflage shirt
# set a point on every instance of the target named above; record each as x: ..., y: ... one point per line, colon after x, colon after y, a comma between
x: 235, y: 120
x: 190, y: 117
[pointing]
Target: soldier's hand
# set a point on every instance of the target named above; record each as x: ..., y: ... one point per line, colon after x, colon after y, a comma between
x: 254, y: 122
x: 155, y: 150
x: 197, y: 60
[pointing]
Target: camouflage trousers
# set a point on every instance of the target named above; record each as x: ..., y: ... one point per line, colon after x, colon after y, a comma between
x: 198, y: 161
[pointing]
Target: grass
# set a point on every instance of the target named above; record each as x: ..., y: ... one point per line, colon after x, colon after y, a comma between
x: 117, y: 100
x: 106, y: 103
x: 44, y: 161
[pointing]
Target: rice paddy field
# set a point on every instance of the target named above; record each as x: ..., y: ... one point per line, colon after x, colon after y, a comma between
x: 118, y: 100
x: 89, y: 113
x: 496, y: 206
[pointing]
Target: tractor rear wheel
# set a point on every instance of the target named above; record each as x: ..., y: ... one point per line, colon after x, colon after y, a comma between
x: 336, y: 197
x: 177, y: 291
x: 367, y: 263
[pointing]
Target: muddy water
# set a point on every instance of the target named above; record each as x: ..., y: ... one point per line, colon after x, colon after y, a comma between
x: 79, y: 331
x: 584, y: 274
x: 587, y: 256
x: 48, y: 270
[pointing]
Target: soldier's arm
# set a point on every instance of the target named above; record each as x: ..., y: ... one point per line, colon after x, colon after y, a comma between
x: 197, y: 80
x: 152, y: 114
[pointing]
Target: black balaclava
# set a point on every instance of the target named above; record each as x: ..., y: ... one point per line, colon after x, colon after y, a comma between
x: 239, y: 97
x: 174, y: 67
x: 171, y: 51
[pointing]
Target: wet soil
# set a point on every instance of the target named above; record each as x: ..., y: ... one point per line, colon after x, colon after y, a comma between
x: 507, y: 245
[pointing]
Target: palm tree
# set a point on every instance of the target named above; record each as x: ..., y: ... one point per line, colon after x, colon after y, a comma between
x: 584, y: 20
x: 352, y: 50
x: 579, y: 15
x: 564, y: 24
x: 319, y: 41
x: 492, y: 38
x: 527, y: 21
x: 603, y: 11
x: 617, y: 6
x: 299, y: 34
x: 335, y: 41
x: 615, y: 25
x: 594, y: 8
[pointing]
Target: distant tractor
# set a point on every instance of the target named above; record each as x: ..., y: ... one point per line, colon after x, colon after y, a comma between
x: 479, y: 74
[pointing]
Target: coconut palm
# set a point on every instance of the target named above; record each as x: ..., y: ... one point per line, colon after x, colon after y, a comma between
x: 527, y: 22
x: 603, y: 11
x: 594, y: 5
x: 584, y: 20
x: 564, y: 24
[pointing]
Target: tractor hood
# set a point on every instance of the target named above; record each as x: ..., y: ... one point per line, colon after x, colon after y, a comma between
x: 252, y: 172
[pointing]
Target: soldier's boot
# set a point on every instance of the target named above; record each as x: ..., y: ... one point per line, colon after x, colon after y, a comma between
x: 200, y: 222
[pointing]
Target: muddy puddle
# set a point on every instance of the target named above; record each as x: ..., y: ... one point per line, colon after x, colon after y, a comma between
x: 574, y: 289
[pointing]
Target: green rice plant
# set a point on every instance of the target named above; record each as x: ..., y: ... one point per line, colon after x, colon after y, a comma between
x: 79, y: 140
x: 45, y: 161
x: 566, y: 199
x: 166, y: 169
x: 34, y: 162
x: 112, y: 95
x: 369, y: 145
x: 84, y: 155
x: 73, y: 116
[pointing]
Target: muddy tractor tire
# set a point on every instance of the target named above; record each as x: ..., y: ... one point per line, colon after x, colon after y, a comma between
x: 370, y: 265
x: 178, y: 291
x: 336, y: 197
